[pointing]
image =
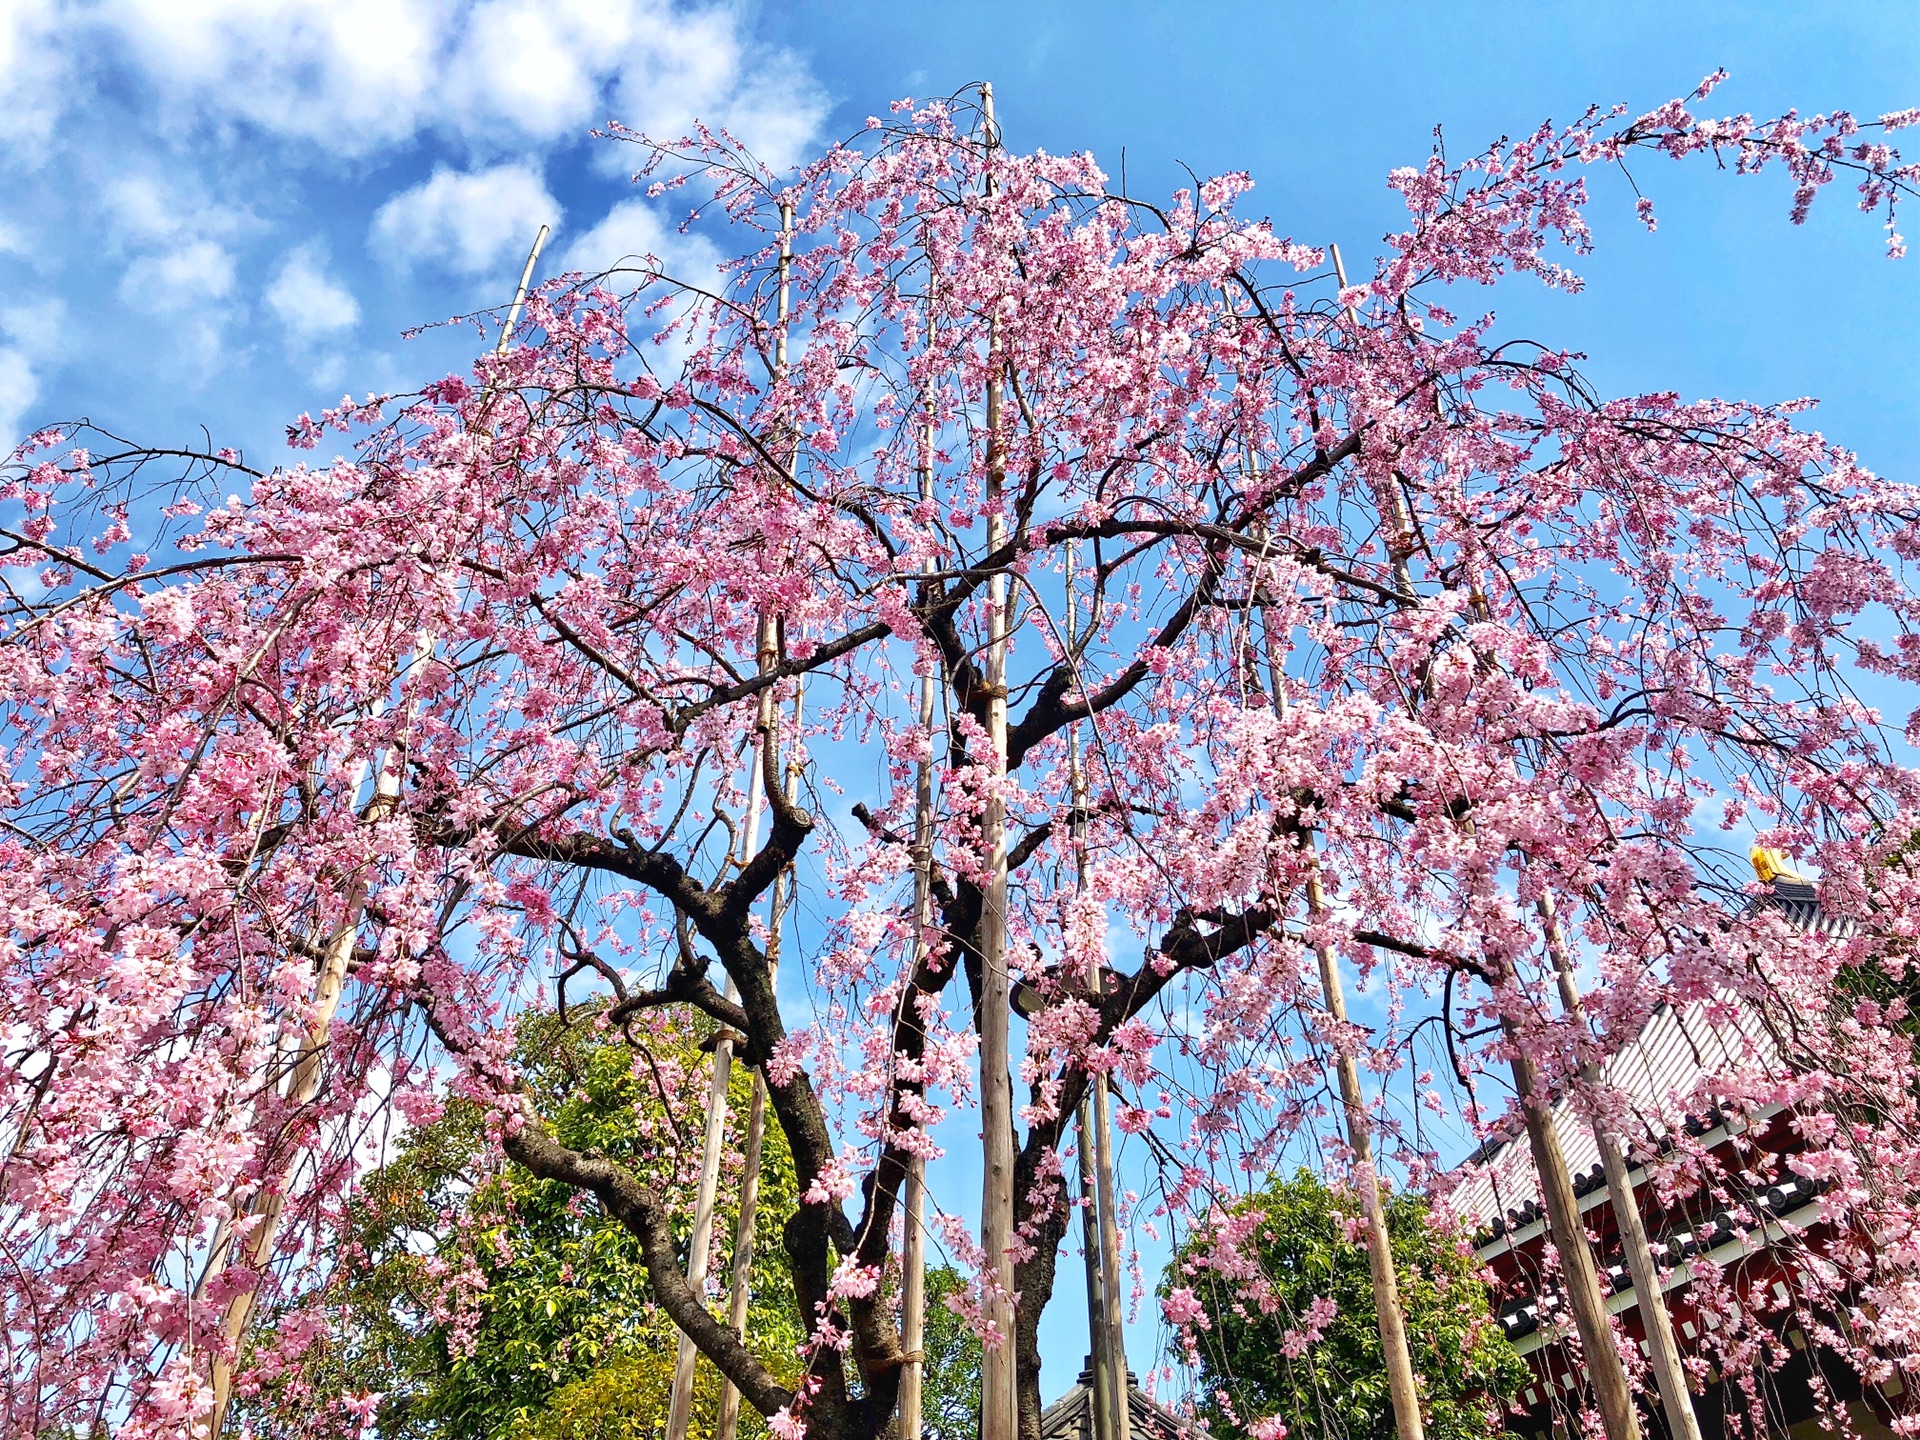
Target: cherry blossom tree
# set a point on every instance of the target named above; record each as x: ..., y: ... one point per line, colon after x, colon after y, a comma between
x: 1373, y: 631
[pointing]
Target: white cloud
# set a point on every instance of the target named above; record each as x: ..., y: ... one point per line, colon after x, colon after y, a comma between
x: 632, y: 230
x: 167, y: 157
x: 141, y: 210
x: 187, y: 277
x: 38, y: 325
x: 307, y: 301
x: 19, y: 388
x: 351, y: 75
x: 32, y: 70
x: 698, y: 65
x: 357, y: 76
x: 159, y: 205
x: 540, y: 67
x: 469, y: 223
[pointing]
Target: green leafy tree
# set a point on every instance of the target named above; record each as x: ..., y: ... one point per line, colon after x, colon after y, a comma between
x: 950, y: 1391
x: 482, y: 1303
x: 1257, y: 1290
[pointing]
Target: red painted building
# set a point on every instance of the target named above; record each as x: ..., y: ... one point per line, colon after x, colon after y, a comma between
x: 1765, y: 1222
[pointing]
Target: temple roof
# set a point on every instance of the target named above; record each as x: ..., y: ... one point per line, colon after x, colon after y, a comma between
x: 1658, y: 1072
x: 1071, y: 1416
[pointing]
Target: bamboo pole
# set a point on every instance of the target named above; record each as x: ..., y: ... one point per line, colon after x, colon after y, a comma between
x: 267, y: 1207
x: 740, y: 1290
x: 913, y: 1249
x: 1604, y: 1371
x: 1402, y: 1385
x: 1112, y: 1420
x: 520, y: 293
x: 1663, y: 1349
x: 268, y: 1204
x: 686, y: 1357
x: 1091, y: 1241
x: 997, y: 1382
x: 1113, y: 1332
x: 1390, y: 1317
x: 745, y: 1235
x: 745, y: 1229
x: 913, y: 1263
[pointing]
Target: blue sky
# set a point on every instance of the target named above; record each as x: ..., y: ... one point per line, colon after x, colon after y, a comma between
x: 219, y: 213
x: 223, y: 212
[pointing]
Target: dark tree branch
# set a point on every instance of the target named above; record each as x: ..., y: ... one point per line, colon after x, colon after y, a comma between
x: 641, y: 1211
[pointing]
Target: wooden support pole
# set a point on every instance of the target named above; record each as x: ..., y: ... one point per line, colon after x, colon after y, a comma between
x: 1112, y: 1418
x: 686, y: 1357
x: 303, y: 1084
x: 1403, y: 1386
x: 520, y: 293
x: 1663, y: 1348
x: 766, y: 655
x: 913, y: 1301
x: 913, y: 1249
x: 997, y: 1387
x: 1113, y: 1332
x: 745, y: 1230
x: 1100, y: 1372
x: 302, y: 1081
x: 1605, y: 1373
x: 267, y: 1207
